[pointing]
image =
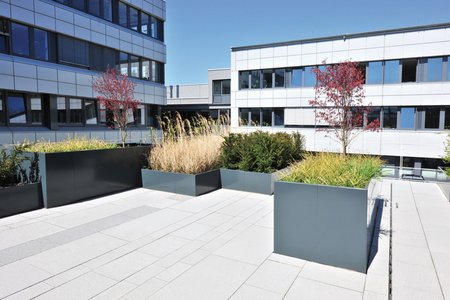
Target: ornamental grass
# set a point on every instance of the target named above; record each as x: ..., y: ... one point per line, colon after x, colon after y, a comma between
x: 354, y: 171
x: 189, y: 146
x: 68, y: 145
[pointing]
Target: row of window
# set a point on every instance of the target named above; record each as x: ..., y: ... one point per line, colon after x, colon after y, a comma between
x: 375, y: 72
x: 221, y: 87
x: 39, y: 44
x: 390, y: 117
x: 122, y: 14
x: 18, y: 109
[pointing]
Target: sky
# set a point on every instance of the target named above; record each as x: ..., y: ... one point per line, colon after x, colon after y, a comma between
x: 200, y: 33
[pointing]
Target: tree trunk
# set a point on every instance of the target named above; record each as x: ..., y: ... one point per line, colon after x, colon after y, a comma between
x: 123, y: 135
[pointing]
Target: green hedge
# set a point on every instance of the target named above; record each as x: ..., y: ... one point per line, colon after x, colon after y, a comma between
x: 71, y: 144
x: 261, y: 151
x: 10, y: 164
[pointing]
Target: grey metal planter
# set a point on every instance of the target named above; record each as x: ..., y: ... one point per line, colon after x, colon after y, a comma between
x: 70, y: 177
x: 186, y: 184
x: 19, y: 199
x: 254, y: 182
x: 325, y: 224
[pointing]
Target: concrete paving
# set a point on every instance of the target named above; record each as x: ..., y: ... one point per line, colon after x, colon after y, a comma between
x: 145, y: 244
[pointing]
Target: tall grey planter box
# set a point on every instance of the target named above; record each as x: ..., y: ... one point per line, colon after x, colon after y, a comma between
x: 254, y: 182
x: 20, y: 199
x: 325, y: 224
x: 70, y: 177
x: 185, y: 184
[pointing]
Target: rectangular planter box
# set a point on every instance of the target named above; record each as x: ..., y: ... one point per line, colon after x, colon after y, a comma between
x: 325, y: 224
x: 186, y: 184
x: 254, y: 182
x: 19, y: 199
x: 70, y: 177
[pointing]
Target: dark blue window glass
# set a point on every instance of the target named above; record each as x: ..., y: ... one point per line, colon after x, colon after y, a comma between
x: 310, y: 77
x: 375, y: 73
x: 94, y: 7
x: 392, y: 71
x: 41, y: 44
x: 123, y: 15
x: 434, y: 69
x: 107, y: 10
x: 407, y: 117
x: 296, y: 77
x: 20, y: 39
x: 16, y: 110
x: 134, y: 19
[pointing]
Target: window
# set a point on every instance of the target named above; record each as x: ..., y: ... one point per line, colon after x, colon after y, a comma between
x: 146, y: 69
x: 2, y: 110
x: 145, y: 23
x: 75, y: 111
x: 374, y: 74
x: 123, y: 14
x: 226, y: 87
x: 432, y: 117
x: 255, y: 114
x: 159, y: 30
x: 267, y: 79
x: 409, y: 67
x: 4, y: 36
x: 448, y: 68
x: 266, y: 116
x: 16, y: 109
x: 153, y: 28
x: 391, y: 71
x: 310, y: 77
x: 134, y: 19
x: 41, y: 44
x: 447, y: 118
x: 107, y: 10
x: 243, y: 79
x: 407, y: 117
x: 296, y: 79
x: 73, y: 51
x: 134, y: 64
x: 61, y: 107
x: 123, y: 63
x: 20, y: 39
x: 152, y: 115
x: 94, y: 7
x: 279, y: 77
x: 278, y: 115
x: 69, y: 110
x: 390, y: 117
x: 373, y: 114
x: 36, y: 110
x: 362, y: 67
x: 79, y: 4
x: 255, y: 79
x: 244, y: 117
x: 434, y: 69
x: 90, y: 108
x: 217, y: 87
x: 139, y: 116
x: 154, y: 71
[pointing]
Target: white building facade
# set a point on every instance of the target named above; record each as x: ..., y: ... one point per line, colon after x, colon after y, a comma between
x: 407, y: 83
x: 52, y: 50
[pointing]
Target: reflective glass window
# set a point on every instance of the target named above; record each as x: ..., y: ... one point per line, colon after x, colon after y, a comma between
x: 279, y: 77
x: 392, y: 71
x: 16, y: 109
x: 20, y: 39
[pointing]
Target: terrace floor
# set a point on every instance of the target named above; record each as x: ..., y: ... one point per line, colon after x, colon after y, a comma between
x: 145, y: 244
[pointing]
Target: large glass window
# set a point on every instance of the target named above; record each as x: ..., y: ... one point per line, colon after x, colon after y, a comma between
x: 17, y: 113
x: 278, y: 114
x: 434, y: 69
x: 61, y: 107
x: 255, y: 79
x: 296, y: 77
x: 41, y: 44
x: 243, y: 80
x: 226, y: 87
x: 217, y: 87
x: 152, y: 115
x: 94, y: 7
x: 310, y: 77
x: 107, y: 10
x: 267, y: 79
x: 20, y: 39
x: 145, y: 23
x: 447, y: 118
x: 448, y: 68
x: 73, y: 51
x: 266, y: 116
x: 154, y: 71
x: 4, y: 36
x: 90, y: 108
x: 432, y: 117
x: 243, y: 117
x: 391, y: 71
x: 153, y: 28
x: 407, y: 118
x: 36, y: 110
x: 79, y: 4
x: 123, y: 63
x: 75, y: 111
x: 279, y: 77
x: 373, y: 114
x: 255, y: 117
x: 134, y: 19
x: 123, y: 14
x: 374, y: 74
x: 390, y: 117
x: 134, y: 63
x: 409, y: 67
x: 146, y: 69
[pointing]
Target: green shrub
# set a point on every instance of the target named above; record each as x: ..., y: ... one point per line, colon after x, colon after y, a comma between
x: 261, y: 151
x: 10, y: 163
x: 446, y: 158
x: 336, y: 170
x: 71, y: 144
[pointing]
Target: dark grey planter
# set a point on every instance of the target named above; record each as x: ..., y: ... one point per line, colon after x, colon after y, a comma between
x: 325, y: 224
x: 19, y: 199
x: 254, y: 182
x: 186, y: 184
x: 70, y: 177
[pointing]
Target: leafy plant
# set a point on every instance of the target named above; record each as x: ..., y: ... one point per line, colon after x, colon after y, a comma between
x: 189, y: 146
x: 10, y: 164
x: 446, y: 158
x: 336, y: 170
x: 261, y: 151
x: 68, y: 145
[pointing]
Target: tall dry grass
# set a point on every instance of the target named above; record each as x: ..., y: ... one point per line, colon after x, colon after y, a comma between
x: 189, y: 146
x: 68, y: 145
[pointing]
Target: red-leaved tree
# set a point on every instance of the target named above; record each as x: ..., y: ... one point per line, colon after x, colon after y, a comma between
x: 116, y: 94
x: 339, y: 96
